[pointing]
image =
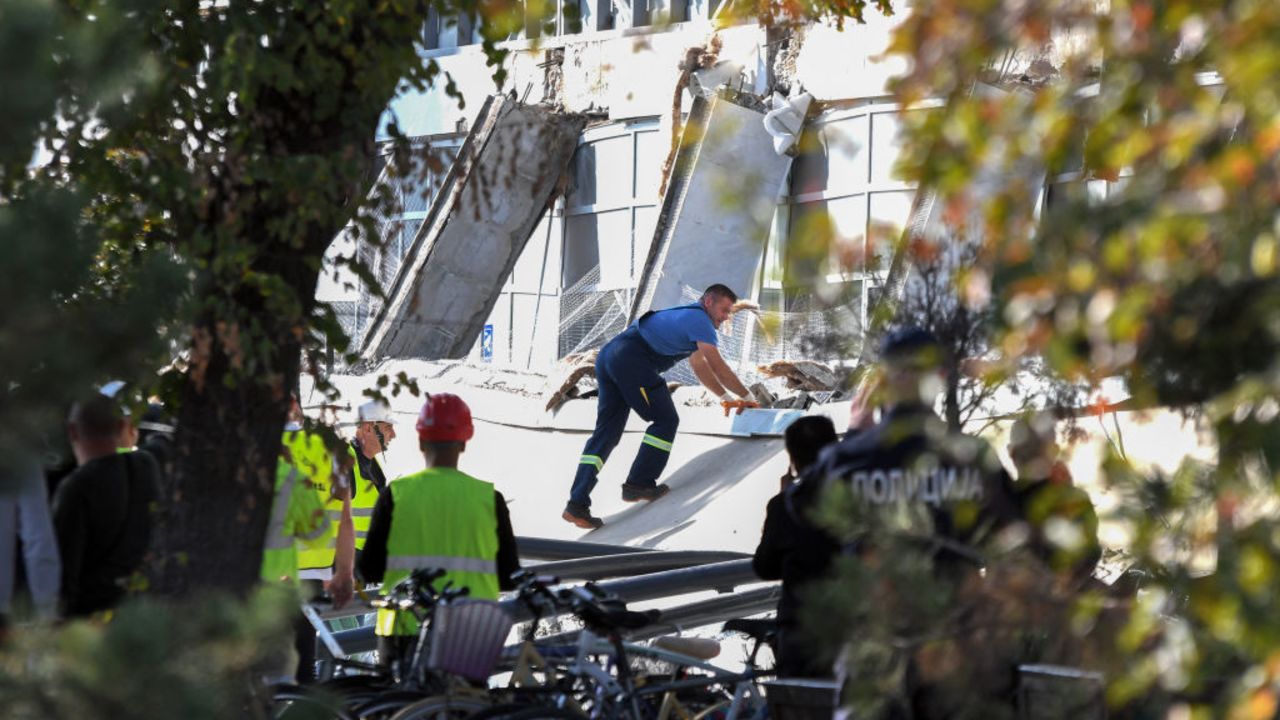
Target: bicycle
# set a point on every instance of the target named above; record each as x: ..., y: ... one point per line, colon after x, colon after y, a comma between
x: 375, y: 692
x: 578, y: 686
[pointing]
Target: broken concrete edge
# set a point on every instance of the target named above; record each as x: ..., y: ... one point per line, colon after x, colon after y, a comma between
x: 559, y: 133
x: 432, y: 260
x: 438, y: 216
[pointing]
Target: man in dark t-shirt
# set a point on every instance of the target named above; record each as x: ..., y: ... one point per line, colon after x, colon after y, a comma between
x: 783, y: 550
x: 102, y: 510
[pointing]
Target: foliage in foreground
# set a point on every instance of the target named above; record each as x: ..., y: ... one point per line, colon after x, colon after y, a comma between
x: 1154, y: 261
x: 152, y: 660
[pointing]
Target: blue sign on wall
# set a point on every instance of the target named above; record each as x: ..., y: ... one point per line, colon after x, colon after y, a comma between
x: 486, y: 343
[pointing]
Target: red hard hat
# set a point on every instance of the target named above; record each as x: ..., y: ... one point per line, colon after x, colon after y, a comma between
x: 445, y: 418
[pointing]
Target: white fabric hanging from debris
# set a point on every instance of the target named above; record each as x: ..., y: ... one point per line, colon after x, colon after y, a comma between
x: 785, y: 120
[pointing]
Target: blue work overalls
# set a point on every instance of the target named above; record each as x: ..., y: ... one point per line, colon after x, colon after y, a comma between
x: 629, y: 372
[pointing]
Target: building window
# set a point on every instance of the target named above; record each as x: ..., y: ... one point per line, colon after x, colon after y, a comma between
x: 833, y: 233
x: 609, y: 218
x: 846, y: 206
x: 612, y: 205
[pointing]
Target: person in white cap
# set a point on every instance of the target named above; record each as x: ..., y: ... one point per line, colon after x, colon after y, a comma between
x: 374, y: 433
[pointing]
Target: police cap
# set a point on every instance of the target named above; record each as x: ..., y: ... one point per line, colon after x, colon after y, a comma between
x: 911, y: 345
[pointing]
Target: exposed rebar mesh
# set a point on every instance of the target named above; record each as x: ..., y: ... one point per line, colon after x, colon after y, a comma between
x: 398, y: 222
x: 590, y: 317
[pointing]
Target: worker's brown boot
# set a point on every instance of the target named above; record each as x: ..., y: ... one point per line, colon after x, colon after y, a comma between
x: 581, y: 516
x: 636, y: 493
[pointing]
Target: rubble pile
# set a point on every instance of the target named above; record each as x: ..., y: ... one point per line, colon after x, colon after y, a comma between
x: 562, y: 382
x: 805, y: 375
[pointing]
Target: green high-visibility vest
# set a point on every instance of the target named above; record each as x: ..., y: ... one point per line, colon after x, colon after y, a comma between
x: 296, y: 514
x: 313, y: 461
x: 446, y: 519
x: 363, y: 497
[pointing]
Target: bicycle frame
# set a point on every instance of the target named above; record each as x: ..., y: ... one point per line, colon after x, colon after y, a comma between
x: 609, y: 689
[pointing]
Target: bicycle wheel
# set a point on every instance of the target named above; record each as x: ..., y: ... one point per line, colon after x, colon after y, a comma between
x: 541, y: 713
x: 299, y: 704
x: 387, y: 704
x: 499, y: 712
x: 442, y: 707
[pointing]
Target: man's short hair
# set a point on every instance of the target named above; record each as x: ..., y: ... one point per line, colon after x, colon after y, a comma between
x: 429, y: 446
x: 96, y: 416
x: 806, y: 437
x: 720, y: 291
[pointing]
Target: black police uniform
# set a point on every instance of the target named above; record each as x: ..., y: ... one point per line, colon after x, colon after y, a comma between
x: 953, y: 480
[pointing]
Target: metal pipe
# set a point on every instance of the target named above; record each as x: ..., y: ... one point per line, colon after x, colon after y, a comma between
x: 706, y: 612
x: 532, y: 548
x: 630, y: 564
x: 721, y: 576
x: 697, y: 614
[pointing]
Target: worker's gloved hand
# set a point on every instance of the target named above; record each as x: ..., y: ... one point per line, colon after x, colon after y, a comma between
x: 729, y: 403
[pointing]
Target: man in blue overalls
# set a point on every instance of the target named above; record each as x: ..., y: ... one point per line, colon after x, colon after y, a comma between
x: 629, y: 370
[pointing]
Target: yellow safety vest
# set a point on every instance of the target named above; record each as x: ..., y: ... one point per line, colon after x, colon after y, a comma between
x: 296, y: 514
x: 314, y: 462
x: 446, y: 519
x: 363, y: 497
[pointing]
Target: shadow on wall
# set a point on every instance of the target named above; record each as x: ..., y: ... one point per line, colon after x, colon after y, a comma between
x: 693, y: 486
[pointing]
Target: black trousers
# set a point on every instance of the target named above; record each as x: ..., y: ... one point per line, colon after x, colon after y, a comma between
x: 304, y: 636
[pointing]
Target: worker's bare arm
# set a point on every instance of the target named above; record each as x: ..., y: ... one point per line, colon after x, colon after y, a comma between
x: 704, y: 373
x: 723, y: 373
x: 342, y: 586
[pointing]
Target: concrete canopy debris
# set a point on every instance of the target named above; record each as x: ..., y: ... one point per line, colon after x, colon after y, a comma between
x: 717, y: 209
x: 496, y: 193
x: 802, y: 374
x: 562, y: 383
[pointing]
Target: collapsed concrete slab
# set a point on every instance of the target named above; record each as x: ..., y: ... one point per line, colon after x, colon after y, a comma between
x: 718, y: 206
x: 500, y: 186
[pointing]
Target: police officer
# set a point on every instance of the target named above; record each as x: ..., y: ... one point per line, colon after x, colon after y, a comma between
x: 438, y: 518
x: 908, y: 478
x: 629, y: 372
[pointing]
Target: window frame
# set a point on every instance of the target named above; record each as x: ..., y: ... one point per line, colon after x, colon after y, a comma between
x: 630, y: 128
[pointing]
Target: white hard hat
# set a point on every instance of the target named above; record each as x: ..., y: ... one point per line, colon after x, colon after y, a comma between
x: 374, y: 411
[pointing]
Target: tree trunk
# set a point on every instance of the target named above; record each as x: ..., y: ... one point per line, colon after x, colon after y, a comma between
x: 217, y: 499
x: 247, y: 345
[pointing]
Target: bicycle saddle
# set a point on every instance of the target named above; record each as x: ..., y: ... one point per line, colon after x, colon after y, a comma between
x: 760, y: 630
x: 610, y: 616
